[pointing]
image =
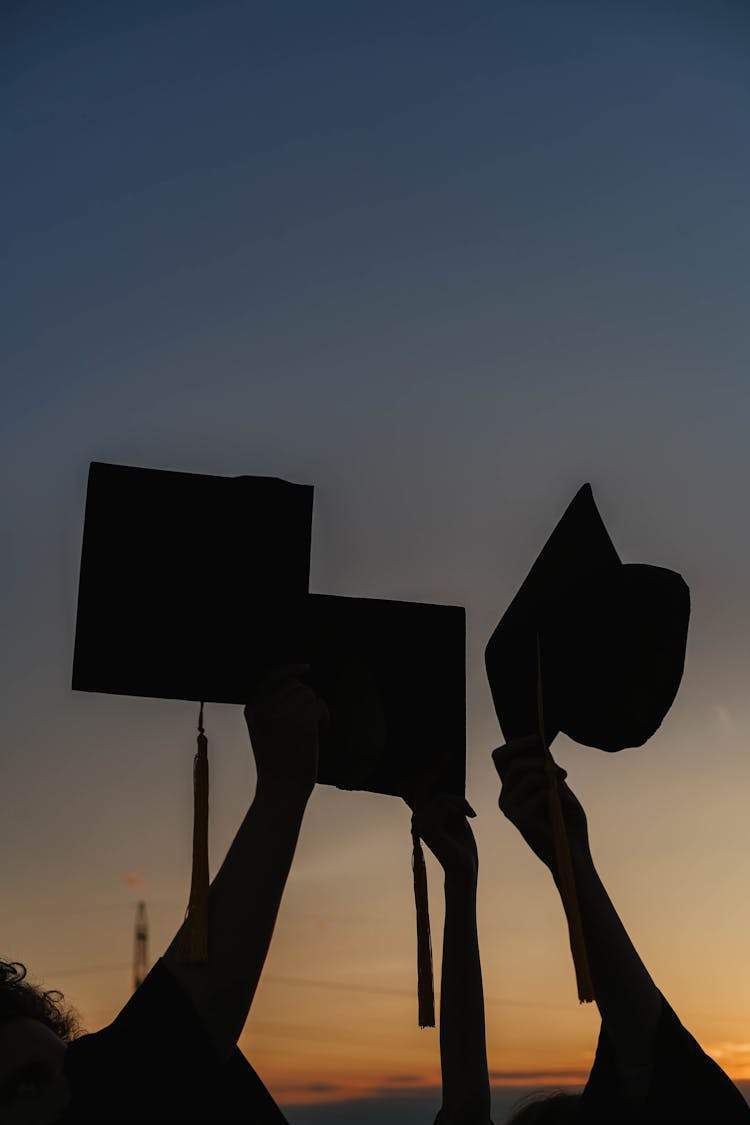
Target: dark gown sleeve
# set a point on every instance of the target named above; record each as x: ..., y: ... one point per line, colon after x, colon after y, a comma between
x: 155, y: 1063
x: 684, y: 1085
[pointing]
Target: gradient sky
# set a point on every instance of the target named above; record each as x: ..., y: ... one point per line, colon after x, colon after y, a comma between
x: 446, y: 262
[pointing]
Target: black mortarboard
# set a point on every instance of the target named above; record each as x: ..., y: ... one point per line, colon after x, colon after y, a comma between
x: 611, y: 635
x: 594, y: 648
x: 189, y: 582
x: 393, y: 676
x: 189, y: 586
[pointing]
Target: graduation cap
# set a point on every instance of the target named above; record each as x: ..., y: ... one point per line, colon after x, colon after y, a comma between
x: 393, y: 675
x: 612, y: 637
x: 192, y: 586
x: 589, y: 646
x: 189, y: 585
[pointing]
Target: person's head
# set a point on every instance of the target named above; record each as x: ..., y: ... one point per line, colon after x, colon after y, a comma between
x: 35, y: 1029
x: 543, y: 1108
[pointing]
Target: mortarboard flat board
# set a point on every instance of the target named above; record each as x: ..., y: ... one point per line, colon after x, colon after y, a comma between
x: 612, y: 639
x: 393, y: 675
x: 189, y: 583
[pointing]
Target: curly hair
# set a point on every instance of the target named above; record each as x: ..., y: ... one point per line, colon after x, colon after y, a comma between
x: 21, y: 1000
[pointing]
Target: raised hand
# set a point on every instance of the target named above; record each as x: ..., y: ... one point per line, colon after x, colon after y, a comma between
x: 524, y: 770
x: 440, y: 820
x: 283, y: 717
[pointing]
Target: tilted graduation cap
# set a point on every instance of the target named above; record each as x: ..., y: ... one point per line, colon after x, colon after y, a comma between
x: 612, y: 637
x: 589, y: 646
x: 192, y: 586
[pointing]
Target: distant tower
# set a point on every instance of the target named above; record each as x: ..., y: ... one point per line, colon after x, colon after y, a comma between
x: 140, y: 947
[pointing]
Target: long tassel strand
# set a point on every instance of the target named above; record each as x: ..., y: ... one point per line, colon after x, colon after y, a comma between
x: 193, y: 941
x: 565, y: 873
x: 425, y: 988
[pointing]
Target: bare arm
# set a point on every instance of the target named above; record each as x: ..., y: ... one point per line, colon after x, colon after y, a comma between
x: 628, y: 1000
x: 246, y: 893
x: 441, y: 823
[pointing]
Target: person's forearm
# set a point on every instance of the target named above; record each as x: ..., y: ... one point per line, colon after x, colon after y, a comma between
x: 243, y: 904
x: 463, y: 1050
x: 626, y: 996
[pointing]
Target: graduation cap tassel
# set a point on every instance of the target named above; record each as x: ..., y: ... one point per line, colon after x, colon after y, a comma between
x: 193, y: 945
x: 425, y: 990
x: 563, y: 859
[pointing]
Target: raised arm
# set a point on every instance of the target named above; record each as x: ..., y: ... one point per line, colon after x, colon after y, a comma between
x: 441, y: 823
x: 282, y: 719
x: 628, y: 1000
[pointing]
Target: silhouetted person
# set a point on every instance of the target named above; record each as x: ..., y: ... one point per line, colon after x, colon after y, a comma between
x: 648, y: 1068
x: 441, y: 822
x: 171, y: 1054
x: 35, y: 1029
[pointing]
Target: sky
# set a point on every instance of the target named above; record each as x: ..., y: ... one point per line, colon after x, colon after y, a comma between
x: 446, y: 263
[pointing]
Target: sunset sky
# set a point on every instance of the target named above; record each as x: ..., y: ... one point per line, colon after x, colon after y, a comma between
x: 446, y: 262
